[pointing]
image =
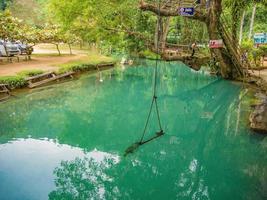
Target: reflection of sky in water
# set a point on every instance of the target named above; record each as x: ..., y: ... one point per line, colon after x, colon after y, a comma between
x: 28, y: 165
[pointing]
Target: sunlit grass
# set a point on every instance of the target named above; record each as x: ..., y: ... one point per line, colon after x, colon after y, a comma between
x: 61, y: 47
x: 87, y: 63
x: 29, y: 73
x: 38, y: 55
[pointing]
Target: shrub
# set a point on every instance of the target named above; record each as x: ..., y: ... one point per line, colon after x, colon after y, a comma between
x: 13, y: 81
x: 86, y: 64
x: 256, y: 56
x: 19, y: 80
x: 247, y: 45
x: 76, y: 68
x: 264, y: 50
x: 148, y: 54
x: 29, y: 73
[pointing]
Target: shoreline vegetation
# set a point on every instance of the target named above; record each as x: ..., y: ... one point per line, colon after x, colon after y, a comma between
x: 86, y: 64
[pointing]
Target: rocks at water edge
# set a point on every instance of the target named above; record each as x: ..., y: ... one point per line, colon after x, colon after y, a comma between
x: 258, y: 118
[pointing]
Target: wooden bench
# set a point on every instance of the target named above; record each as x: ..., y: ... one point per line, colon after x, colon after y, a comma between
x: 10, y: 58
x: 25, y: 57
x: 45, y: 78
x: 4, y: 90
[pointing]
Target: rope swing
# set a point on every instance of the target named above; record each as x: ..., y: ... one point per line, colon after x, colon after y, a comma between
x: 154, y: 102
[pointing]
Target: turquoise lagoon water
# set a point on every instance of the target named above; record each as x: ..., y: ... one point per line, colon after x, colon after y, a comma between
x: 67, y: 141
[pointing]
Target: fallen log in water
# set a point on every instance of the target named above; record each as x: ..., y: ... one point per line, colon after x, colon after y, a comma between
x: 195, y: 62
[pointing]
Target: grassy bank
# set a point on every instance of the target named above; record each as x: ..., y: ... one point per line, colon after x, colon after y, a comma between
x: 88, y: 63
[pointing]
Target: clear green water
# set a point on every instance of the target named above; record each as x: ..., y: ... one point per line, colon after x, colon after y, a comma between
x: 67, y: 141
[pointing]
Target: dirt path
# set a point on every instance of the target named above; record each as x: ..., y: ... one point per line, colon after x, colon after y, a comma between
x: 262, y: 74
x: 44, y: 63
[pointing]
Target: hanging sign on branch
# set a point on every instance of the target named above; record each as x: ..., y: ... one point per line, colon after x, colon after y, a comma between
x: 215, y: 44
x: 187, y: 11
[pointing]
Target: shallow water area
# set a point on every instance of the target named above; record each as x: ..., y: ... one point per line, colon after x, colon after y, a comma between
x: 67, y: 141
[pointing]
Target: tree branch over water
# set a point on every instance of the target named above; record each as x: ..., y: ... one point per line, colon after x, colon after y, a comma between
x: 166, y: 12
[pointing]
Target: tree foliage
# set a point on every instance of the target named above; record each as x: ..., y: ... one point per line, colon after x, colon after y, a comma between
x: 4, y: 4
x: 103, y: 22
x: 119, y: 24
x: 234, y: 9
x: 9, y: 26
x: 30, y: 11
x: 14, y: 29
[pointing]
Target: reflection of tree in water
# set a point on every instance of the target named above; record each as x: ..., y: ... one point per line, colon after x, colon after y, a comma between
x: 211, y: 157
x: 190, y: 183
x: 85, y: 178
x: 194, y: 181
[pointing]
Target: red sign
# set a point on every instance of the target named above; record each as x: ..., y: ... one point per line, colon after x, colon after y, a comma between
x: 215, y: 44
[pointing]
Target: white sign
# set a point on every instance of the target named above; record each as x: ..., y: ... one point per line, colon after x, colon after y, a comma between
x: 215, y: 44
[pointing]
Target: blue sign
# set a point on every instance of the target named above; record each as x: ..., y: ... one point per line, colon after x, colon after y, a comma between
x: 260, y: 38
x: 187, y: 11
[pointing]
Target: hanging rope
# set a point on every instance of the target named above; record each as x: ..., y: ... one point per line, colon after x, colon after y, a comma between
x: 154, y: 101
x: 155, y: 98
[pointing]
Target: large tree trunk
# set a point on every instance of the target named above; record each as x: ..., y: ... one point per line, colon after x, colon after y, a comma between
x: 165, y: 31
x: 161, y: 33
x: 70, y: 48
x: 252, y: 21
x: 212, y: 22
x: 157, y: 34
x: 235, y: 18
x: 185, y: 32
x: 58, y: 50
x: 241, y: 27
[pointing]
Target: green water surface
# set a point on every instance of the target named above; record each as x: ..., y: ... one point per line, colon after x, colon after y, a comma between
x: 67, y: 141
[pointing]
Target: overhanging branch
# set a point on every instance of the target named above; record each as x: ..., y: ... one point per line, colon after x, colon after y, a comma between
x: 199, y: 15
